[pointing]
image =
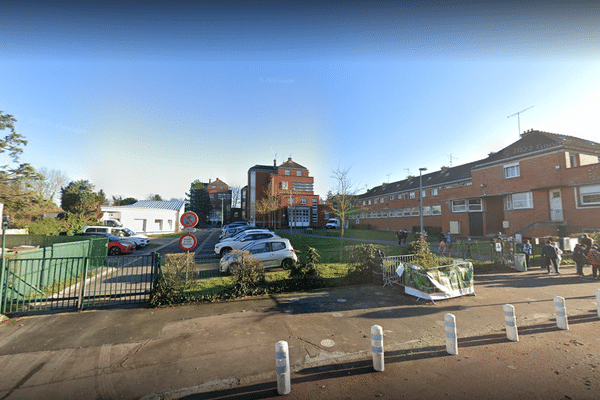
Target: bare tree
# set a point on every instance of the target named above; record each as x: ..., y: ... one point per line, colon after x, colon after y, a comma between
x: 269, y: 205
x: 341, y: 199
x: 236, y: 196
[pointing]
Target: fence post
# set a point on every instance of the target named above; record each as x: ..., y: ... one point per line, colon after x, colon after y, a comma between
x: 282, y: 365
x: 511, y: 323
x: 598, y: 301
x: 82, y: 284
x: 451, y: 338
x: 377, y: 348
x: 561, y: 313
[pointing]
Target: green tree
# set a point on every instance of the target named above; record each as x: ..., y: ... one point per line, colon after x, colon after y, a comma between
x: 79, y: 198
x: 119, y: 201
x: 198, y: 200
x: 155, y: 197
x: 16, y: 178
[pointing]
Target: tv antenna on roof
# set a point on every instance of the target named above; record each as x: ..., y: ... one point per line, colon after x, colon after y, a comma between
x: 451, y: 157
x: 518, y: 114
x: 407, y: 172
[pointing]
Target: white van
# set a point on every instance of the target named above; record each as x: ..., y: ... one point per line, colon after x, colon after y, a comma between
x: 333, y: 223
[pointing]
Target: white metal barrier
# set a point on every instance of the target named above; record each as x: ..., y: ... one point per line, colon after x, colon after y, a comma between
x: 390, y: 264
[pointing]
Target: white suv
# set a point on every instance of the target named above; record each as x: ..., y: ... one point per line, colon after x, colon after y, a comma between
x: 276, y: 252
x: 126, y: 233
x: 226, y: 246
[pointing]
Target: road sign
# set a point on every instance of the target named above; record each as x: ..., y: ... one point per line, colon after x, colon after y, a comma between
x: 189, y: 219
x: 187, y: 242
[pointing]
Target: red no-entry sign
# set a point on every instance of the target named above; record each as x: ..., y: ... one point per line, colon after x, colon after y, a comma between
x: 189, y: 219
x: 187, y: 242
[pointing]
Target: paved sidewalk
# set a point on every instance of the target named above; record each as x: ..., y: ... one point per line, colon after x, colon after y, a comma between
x: 226, y: 350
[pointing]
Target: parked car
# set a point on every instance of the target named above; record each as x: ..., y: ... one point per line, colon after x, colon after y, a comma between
x: 236, y: 224
x: 333, y: 223
x: 230, y: 232
x: 276, y: 252
x: 128, y: 234
x: 243, y: 232
x: 116, y: 245
x: 226, y: 246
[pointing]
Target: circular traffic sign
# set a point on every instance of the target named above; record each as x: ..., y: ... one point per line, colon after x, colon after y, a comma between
x: 188, y: 242
x: 189, y: 219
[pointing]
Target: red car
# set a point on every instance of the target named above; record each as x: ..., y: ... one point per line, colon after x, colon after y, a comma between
x: 116, y: 245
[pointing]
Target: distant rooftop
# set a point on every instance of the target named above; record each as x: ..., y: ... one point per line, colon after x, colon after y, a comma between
x: 159, y: 204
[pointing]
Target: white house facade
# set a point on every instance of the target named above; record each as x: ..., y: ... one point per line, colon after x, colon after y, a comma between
x: 148, y: 216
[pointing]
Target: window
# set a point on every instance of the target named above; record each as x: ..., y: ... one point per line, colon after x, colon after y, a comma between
x: 512, y: 170
x: 364, y: 202
x: 572, y: 160
x: 287, y: 172
x: 298, y: 173
x: 413, y: 195
x: 459, y: 206
x: 423, y: 194
x: 436, y: 210
x: 303, y: 201
x: 276, y: 246
x: 369, y: 202
x: 434, y: 192
x: 392, y: 197
x: 375, y: 201
x: 382, y: 200
x: 518, y: 201
x: 415, y: 211
x: 475, y: 205
x: 589, y: 195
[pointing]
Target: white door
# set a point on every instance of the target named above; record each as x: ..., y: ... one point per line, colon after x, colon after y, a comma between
x: 556, y: 210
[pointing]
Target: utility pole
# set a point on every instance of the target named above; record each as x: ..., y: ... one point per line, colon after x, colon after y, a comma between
x: 518, y: 114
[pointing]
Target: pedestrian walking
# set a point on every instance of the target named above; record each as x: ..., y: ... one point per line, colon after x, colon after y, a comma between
x: 448, y: 238
x: 559, y: 253
x: 469, y: 243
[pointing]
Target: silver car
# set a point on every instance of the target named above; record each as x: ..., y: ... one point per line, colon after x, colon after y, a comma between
x: 277, y: 252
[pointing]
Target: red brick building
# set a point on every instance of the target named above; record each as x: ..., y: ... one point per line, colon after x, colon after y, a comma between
x: 290, y: 186
x: 544, y: 184
x: 220, y: 199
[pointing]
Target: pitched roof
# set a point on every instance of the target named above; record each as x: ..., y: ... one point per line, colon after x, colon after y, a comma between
x: 217, y: 182
x: 531, y: 142
x: 291, y: 164
x: 159, y: 204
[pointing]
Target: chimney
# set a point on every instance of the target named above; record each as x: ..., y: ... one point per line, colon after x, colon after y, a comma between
x: 209, y: 179
x: 275, y: 163
x: 289, y: 159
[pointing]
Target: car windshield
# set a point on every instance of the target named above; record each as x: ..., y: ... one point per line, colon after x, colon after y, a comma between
x: 128, y: 232
x: 112, y: 238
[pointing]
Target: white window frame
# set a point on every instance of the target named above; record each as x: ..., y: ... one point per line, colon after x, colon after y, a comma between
x: 298, y: 173
x: 459, y: 206
x: 519, y: 201
x: 512, y: 170
x: 287, y: 172
x: 475, y: 205
x: 413, y: 195
x: 587, y: 193
x: 434, y: 192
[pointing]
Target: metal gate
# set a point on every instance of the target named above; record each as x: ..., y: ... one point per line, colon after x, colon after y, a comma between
x: 75, y: 283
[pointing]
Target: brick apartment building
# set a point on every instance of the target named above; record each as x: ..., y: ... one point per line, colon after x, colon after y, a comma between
x: 544, y: 184
x: 220, y: 200
x: 290, y: 185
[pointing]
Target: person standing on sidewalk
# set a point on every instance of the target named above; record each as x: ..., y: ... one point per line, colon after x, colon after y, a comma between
x: 448, y: 238
x: 594, y: 259
x: 527, y: 249
x: 579, y: 258
x: 549, y: 252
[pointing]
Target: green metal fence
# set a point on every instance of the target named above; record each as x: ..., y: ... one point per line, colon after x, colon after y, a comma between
x: 67, y: 283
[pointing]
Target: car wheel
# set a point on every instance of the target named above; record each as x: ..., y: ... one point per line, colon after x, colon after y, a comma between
x: 114, y: 251
x: 225, y: 250
x: 287, y: 263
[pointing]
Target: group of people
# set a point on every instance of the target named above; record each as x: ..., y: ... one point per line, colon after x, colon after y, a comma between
x: 586, y: 252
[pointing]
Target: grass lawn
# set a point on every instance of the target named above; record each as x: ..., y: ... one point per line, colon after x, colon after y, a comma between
x: 329, y: 249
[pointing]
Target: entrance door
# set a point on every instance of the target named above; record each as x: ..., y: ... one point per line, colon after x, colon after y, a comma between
x: 475, y: 224
x: 556, y: 210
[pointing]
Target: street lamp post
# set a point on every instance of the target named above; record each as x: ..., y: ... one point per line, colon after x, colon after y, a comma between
x: 421, y: 196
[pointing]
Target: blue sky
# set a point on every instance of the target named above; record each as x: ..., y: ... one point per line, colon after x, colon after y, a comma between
x: 145, y: 97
